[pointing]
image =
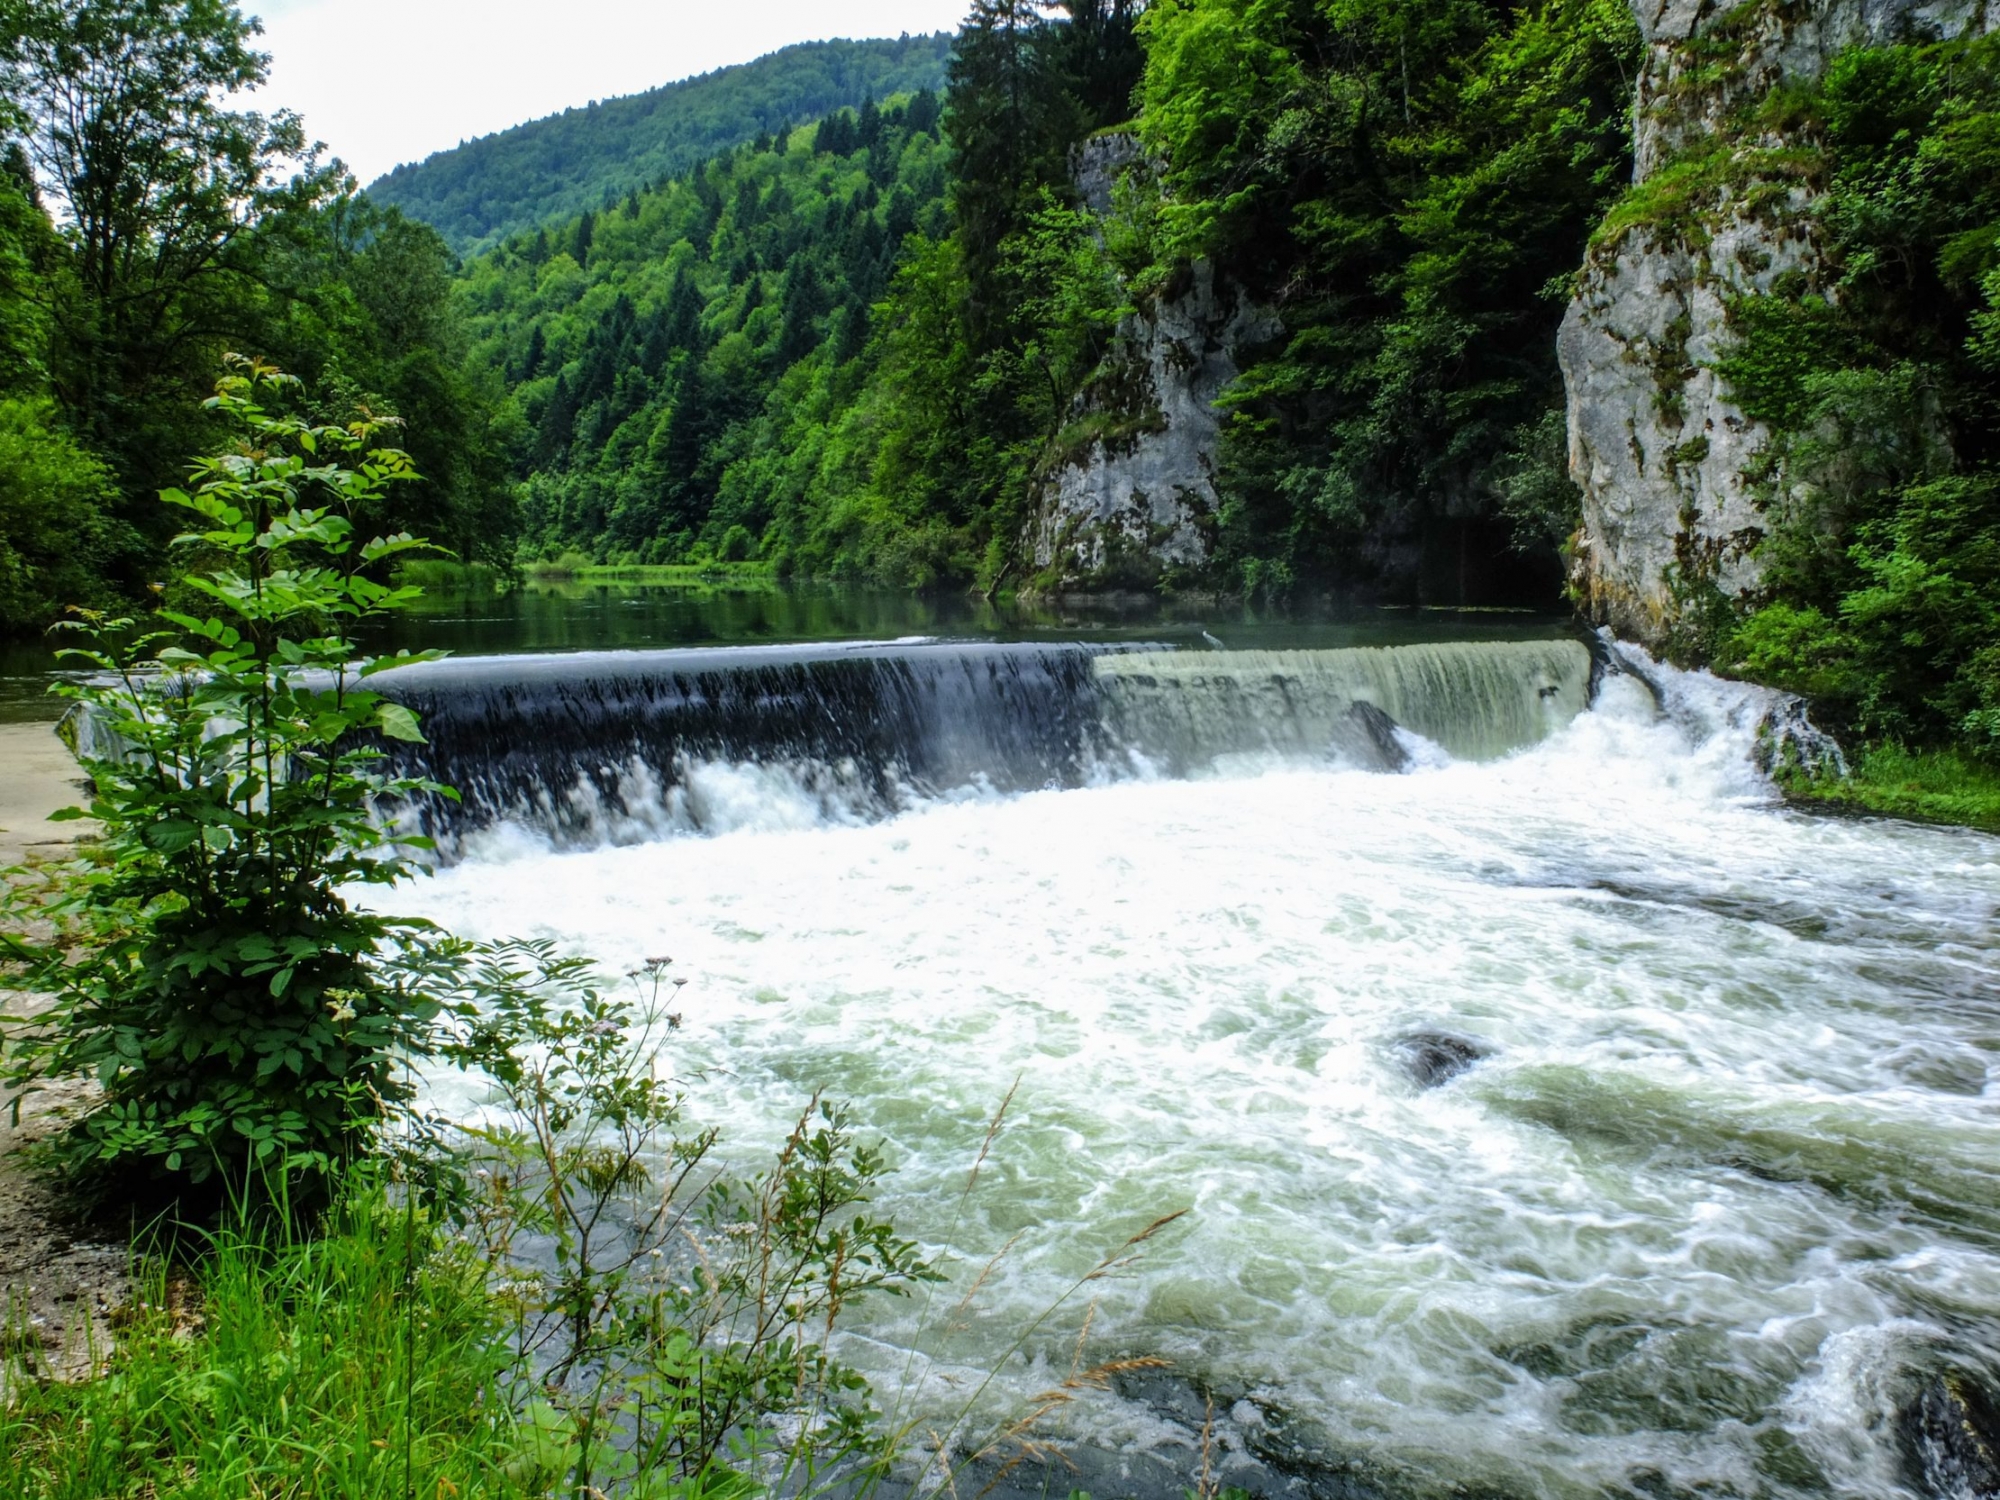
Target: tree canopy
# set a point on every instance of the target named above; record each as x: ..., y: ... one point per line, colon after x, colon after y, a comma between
x: 147, y: 225
x: 552, y: 169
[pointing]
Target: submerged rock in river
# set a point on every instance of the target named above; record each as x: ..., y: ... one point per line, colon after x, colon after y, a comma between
x: 1951, y: 1440
x: 1366, y: 737
x: 1436, y: 1057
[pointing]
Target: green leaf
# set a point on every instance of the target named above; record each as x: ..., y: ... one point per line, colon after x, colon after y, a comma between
x: 171, y: 835
x: 399, y: 723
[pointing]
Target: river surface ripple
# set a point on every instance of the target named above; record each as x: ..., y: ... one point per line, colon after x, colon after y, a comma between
x: 1730, y: 1173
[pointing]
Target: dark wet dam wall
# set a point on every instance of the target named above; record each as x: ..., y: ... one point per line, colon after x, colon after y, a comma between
x: 609, y: 746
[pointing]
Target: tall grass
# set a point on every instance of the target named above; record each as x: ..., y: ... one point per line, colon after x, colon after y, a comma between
x: 382, y: 1357
x: 446, y: 575
x: 368, y: 1362
x: 593, y: 1312
x: 1927, y: 786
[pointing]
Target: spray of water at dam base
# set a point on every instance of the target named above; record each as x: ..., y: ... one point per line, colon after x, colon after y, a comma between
x: 1559, y: 1115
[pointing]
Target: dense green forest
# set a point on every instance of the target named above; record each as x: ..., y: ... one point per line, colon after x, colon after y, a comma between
x: 145, y: 227
x: 485, y: 190
x: 801, y: 352
x: 1413, y: 185
x: 651, y: 348
x: 1415, y: 237
x: 1882, y: 591
x: 855, y: 345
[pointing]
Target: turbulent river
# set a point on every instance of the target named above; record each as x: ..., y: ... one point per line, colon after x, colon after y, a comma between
x: 1558, y: 1114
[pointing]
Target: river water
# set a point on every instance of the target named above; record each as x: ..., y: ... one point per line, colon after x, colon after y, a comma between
x: 1718, y: 1189
x: 614, y: 615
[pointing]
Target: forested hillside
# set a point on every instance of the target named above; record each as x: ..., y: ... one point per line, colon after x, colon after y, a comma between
x: 1413, y: 183
x: 867, y: 345
x: 808, y: 422
x: 555, y: 168
x: 657, y: 349
x: 1408, y: 186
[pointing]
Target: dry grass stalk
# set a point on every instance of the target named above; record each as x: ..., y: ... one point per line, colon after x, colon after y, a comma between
x: 1018, y: 1432
x: 1082, y: 1333
x: 1118, y: 1258
x: 979, y: 1281
x: 993, y: 1132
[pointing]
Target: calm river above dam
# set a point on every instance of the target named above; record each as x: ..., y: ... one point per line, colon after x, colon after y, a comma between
x: 1561, y: 1120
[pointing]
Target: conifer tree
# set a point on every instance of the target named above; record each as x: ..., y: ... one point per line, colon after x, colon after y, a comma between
x: 558, y: 427
x: 801, y: 309
x: 1011, y: 123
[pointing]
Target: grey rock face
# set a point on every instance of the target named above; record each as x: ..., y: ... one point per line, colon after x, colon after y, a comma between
x: 1774, y: 41
x: 1660, y: 450
x: 1100, y: 162
x: 1130, y: 491
x: 1665, y: 459
x: 1951, y: 1440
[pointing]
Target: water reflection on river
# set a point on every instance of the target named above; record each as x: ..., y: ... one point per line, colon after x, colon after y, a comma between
x: 594, y: 616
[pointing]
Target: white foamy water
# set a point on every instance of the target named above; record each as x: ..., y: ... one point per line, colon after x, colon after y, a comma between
x: 1730, y: 1171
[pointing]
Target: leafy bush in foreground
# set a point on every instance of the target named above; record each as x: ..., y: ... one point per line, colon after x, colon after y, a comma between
x: 207, y: 972
x: 679, y: 1321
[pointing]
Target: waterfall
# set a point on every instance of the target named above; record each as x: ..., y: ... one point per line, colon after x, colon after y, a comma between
x: 621, y: 747
x: 607, y: 746
x: 1578, y: 1123
x: 1476, y: 700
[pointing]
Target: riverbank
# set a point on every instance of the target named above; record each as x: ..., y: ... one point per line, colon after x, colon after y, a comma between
x: 1925, y: 786
x: 60, y: 1281
x: 569, y: 570
x: 38, y: 776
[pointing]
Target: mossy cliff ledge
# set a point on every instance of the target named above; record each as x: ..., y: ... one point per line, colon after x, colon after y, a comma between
x: 1724, y: 206
x: 1126, y: 493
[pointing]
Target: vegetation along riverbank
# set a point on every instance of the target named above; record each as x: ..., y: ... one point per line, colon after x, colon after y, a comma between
x: 1682, y: 320
x: 331, y: 1289
x: 1096, y: 298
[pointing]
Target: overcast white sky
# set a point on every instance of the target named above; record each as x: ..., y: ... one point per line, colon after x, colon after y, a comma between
x: 389, y: 81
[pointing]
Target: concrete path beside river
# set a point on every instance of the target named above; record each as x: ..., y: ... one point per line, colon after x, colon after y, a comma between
x: 63, y: 1281
x: 37, y: 777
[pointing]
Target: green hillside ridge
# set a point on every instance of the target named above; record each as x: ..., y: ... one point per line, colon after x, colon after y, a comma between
x: 644, y: 346
x: 1405, y: 432
x: 552, y: 168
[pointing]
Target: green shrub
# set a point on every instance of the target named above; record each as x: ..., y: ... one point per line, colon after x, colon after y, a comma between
x: 680, y: 1321
x: 1797, y: 649
x: 208, y: 974
x: 1911, y: 647
x: 58, y: 540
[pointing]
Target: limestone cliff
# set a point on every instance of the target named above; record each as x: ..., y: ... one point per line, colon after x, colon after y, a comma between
x: 1667, y: 463
x: 1128, y: 492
